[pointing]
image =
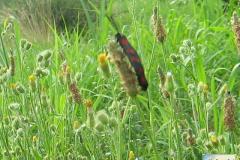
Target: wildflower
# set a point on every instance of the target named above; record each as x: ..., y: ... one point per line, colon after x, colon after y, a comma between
x: 213, y: 138
x: 131, y: 155
x: 236, y: 29
x: 202, y: 87
x: 125, y: 71
x: 88, y: 103
x: 34, y: 139
x: 32, y: 81
x: 157, y: 26
x: 76, y: 125
x: 102, y: 59
x: 229, y: 112
x: 75, y: 92
x: 102, y: 116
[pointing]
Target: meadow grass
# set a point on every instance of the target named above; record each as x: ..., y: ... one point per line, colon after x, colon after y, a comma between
x: 56, y: 102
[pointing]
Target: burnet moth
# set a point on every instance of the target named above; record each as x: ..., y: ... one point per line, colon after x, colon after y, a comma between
x: 132, y: 56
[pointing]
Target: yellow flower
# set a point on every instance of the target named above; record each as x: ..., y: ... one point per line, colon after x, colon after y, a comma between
x: 76, y: 125
x: 13, y: 85
x: 34, y: 139
x: 203, y: 87
x: 131, y: 155
x: 68, y: 69
x: 102, y: 58
x: 88, y: 103
x: 32, y: 78
x: 214, y: 139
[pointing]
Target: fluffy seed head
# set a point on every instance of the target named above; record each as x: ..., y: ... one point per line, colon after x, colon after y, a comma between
x: 229, y: 112
x: 75, y: 92
x: 236, y: 29
x: 157, y: 26
x: 127, y: 74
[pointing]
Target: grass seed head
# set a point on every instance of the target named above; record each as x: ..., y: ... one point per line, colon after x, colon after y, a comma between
x: 127, y: 74
x: 157, y: 26
x: 236, y: 29
x: 75, y: 93
x: 229, y: 112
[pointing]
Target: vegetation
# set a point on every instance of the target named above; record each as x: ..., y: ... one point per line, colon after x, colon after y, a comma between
x: 73, y: 98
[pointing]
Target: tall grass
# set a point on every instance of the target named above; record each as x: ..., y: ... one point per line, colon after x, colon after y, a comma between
x: 58, y: 104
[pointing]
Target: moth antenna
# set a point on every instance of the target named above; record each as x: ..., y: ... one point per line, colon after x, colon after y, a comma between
x: 113, y: 22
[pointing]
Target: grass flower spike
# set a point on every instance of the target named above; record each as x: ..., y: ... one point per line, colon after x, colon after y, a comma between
x: 236, y: 29
x: 157, y: 26
x: 75, y: 92
x: 127, y: 74
x: 229, y: 112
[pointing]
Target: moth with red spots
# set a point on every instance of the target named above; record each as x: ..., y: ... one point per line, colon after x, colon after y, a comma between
x: 134, y: 60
